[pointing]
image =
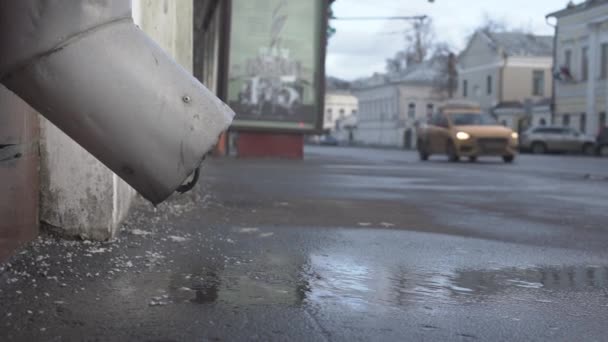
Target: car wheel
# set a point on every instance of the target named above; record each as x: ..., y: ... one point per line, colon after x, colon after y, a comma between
x: 473, y: 159
x: 422, y: 153
x: 588, y: 149
x: 539, y: 148
x: 451, y: 152
x: 508, y: 159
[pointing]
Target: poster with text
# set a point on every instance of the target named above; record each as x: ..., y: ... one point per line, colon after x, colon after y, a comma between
x: 274, y: 64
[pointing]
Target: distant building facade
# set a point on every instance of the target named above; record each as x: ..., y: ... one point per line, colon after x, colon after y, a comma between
x: 507, y: 73
x: 339, y: 105
x: 392, y: 105
x: 581, y: 66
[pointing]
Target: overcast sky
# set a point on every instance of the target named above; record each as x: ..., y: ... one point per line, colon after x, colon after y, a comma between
x: 360, y: 48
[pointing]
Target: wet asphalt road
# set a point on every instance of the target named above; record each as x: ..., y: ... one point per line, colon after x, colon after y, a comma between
x: 349, y: 244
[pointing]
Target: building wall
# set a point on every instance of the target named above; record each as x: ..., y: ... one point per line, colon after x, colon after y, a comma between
x: 379, y: 121
x: 511, y: 79
x: 477, y: 86
x: 518, y: 79
x: 384, y: 113
x: 425, y: 101
x: 337, y: 102
x: 578, y: 96
x: 19, y: 163
x: 475, y: 65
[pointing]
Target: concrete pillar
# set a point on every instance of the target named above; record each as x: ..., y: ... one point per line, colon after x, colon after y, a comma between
x: 592, y: 119
x: 79, y: 196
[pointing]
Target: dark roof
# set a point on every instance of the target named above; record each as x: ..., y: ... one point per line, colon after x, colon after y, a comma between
x: 333, y: 83
x: 425, y: 73
x: 522, y: 44
x: 571, y: 8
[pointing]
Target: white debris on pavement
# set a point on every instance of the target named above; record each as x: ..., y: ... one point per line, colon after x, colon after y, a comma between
x: 249, y: 230
x: 265, y: 235
x: 159, y: 301
x: 98, y: 250
x: 140, y: 232
x: 364, y: 224
x: 176, y: 238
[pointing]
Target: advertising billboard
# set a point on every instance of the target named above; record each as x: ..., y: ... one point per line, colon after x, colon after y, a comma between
x: 275, y: 71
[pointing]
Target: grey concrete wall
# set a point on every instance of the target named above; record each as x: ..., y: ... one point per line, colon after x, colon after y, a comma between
x: 169, y: 23
x: 78, y: 193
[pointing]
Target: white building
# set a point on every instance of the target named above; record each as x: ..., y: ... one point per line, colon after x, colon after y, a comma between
x: 339, y: 105
x: 507, y: 73
x: 392, y: 105
x: 581, y: 65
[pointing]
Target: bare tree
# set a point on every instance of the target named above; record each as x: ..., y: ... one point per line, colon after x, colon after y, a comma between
x: 420, y: 40
x: 397, y: 63
x: 490, y: 24
x: 444, y: 60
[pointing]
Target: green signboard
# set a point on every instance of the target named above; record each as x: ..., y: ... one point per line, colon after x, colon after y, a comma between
x: 275, y: 69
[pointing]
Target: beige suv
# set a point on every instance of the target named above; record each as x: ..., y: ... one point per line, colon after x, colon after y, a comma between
x: 464, y: 131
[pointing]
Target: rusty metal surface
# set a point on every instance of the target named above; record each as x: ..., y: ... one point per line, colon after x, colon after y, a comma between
x: 19, y: 164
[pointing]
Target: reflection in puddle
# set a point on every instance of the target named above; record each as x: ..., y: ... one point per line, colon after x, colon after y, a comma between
x: 344, y: 282
x: 358, y: 286
x: 206, y: 289
x: 271, y: 280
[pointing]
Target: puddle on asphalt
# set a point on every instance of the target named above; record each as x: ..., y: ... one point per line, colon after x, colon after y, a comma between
x: 358, y: 286
x: 324, y: 280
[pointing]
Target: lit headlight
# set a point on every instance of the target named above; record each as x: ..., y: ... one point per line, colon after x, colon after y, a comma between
x: 514, y: 135
x: 462, y: 136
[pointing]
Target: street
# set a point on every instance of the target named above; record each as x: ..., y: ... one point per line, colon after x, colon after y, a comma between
x: 348, y: 244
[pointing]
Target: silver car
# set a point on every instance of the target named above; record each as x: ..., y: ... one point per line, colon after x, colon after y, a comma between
x: 540, y: 140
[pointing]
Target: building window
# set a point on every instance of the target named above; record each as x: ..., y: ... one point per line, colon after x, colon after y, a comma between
x: 354, y: 112
x: 604, y: 61
x: 476, y: 91
x: 465, y: 90
x: 411, y: 111
x: 489, y: 85
x: 538, y: 82
x: 568, y: 59
x: 429, y: 109
x: 542, y: 122
x: 566, y: 120
x: 341, y: 113
x: 583, y: 122
x: 602, y: 119
x: 585, y: 64
x: 329, y: 115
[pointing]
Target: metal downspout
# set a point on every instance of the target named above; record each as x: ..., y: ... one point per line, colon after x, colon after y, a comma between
x: 89, y: 70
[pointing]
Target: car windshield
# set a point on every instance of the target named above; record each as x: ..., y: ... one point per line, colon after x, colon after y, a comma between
x: 466, y: 119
